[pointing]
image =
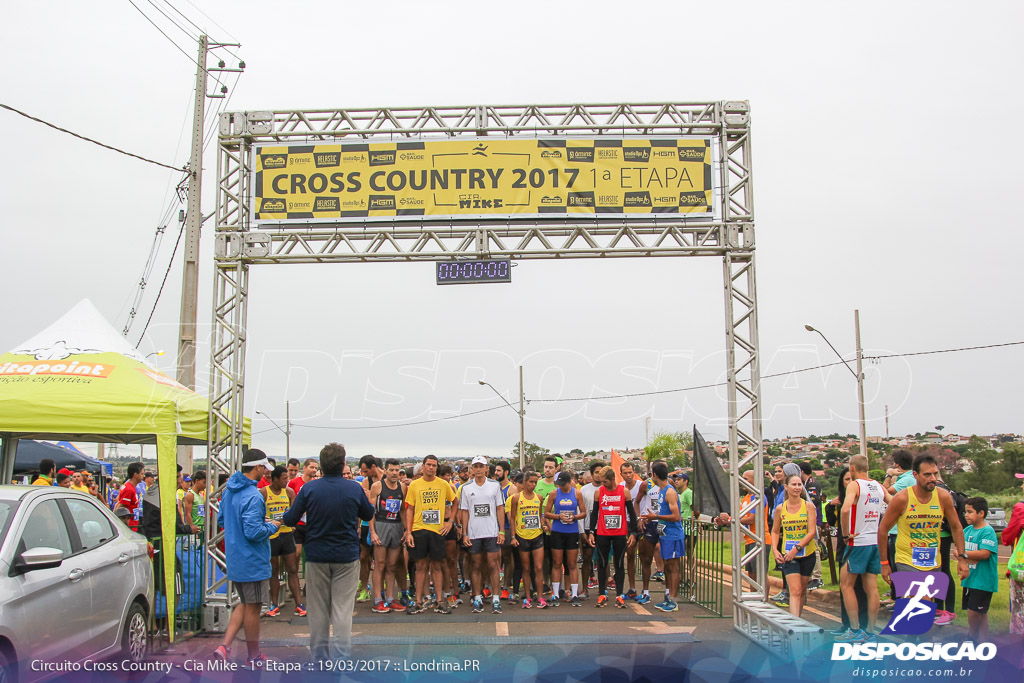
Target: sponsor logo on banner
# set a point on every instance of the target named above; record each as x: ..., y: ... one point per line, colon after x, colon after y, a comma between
x: 411, y: 156
x: 637, y: 199
x: 580, y: 154
x: 411, y: 201
x: 636, y: 154
x: 326, y: 204
x: 273, y: 206
x: 581, y: 199
x: 693, y: 199
x: 551, y: 154
x: 383, y: 157
x: 327, y: 159
x: 607, y: 154
x: 551, y: 200
x: 272, y: 161
x: 691, y: 153
x: 37, y: 367
x: 914, y: 614
x: 354, y: 203
x: 382, y: 202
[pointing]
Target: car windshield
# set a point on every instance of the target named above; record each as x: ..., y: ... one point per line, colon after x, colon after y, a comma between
x: 6, y: 512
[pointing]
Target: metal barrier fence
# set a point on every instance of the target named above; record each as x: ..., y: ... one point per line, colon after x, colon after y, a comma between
x: 702, y: 576
x: 188, y: 591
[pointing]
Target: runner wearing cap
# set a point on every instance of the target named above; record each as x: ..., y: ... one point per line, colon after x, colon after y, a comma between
x: 563, y: 508
x: 482, y: 511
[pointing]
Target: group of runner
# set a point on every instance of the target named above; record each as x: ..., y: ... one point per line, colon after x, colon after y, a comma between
x: 501, y: 536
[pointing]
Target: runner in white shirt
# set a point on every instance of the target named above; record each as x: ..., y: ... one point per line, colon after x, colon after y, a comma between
x: 482, y: 511
x: 862, y: 510
x: 636, y: 488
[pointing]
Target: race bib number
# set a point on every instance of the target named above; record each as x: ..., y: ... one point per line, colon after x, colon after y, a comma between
x: 201, y: 510
x: 924, y: 557
x: 661, y: 528
x: 567, y: 517
x: 431, y: 516
x: 277, y: 516
x: 613, y: 522
x: 393, y: 506
x: 795, y: 544
x: 483, y: 510
x: 137, y: 515
x: 531, y: 521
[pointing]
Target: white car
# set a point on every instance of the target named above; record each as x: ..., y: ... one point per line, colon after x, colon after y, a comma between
x: 75, y: 583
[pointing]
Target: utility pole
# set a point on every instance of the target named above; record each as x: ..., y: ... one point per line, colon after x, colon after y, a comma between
x: 287, y: 431
x: 887, y: 420
x: 522, y: 427
x: 860, y: 387
x: 193, y: 223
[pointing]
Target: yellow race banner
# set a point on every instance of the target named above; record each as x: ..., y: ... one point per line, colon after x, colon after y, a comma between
x: 484, y: 177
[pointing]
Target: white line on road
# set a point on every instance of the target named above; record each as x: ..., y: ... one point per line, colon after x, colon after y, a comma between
x: 501, y: 628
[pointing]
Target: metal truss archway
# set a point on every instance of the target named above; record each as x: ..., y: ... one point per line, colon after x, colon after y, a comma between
x: 242, y: 242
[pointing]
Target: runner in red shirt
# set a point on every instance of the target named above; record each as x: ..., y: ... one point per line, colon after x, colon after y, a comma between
x: 128, y: 498
x: 310, y: 469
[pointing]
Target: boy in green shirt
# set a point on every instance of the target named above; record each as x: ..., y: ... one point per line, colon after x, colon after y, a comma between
x: 982, y: 555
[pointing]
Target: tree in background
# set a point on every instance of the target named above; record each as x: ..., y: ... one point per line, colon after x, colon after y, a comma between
x: 533, y: 454
x: 670, y: 447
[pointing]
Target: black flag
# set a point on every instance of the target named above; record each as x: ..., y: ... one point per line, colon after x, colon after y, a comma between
x: 710, y: 482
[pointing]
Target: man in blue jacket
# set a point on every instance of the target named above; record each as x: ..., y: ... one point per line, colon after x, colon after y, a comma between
x: 333, y: 506
x: 247, y: 534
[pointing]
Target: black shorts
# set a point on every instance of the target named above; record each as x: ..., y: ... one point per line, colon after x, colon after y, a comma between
x: 483, y: 545
x: 364, y: 536
x: 284, y: 544
x: 804, y: 566
x: 564, y: 541
x: 300, y: 534
x: 426, y: 542
x: 453, y: 534
x: 977, y: 600
x: 527, y: 545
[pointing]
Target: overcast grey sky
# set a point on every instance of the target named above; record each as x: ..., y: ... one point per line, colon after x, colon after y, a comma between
x: 886, y: 156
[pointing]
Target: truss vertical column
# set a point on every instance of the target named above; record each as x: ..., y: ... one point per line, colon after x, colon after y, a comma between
x: 227, y: 355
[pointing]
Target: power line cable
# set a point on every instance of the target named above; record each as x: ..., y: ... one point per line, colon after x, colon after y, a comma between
x: 191, y: 36
x: 182, y: 15
x: 180, y: 49
x: 162, y: 284
x: 82, y: 137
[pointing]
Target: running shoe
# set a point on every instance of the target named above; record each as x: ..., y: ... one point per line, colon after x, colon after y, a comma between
x: 620, y: 602
x: 781, y: 595
x: 496, y: 607
x: 659, y: 576
x: 838, y: 632
x: 487, y: 592
x: 527, y: 604
x: 602, y: 601
x: 944, y: 618
x: 555, y: 601
x: 430, y: 602
x: 513, y: 598
x: 592, y: 583
x: 443, y: 608
x: 453, y: 601
x: 222, y: 653
x: 300, y: 610
x: 815, y: 584
x: 631, y: 594
x: 667, y: 606
x: 274, y: 611
x: 851, y: 636
x: 380, y: 607
x: 870, y: 637
x: 458, y: 601
x: 643, y: 599
x: 258, y: 663
x: 395, y: 606
x: 542, y: 603
x: 784, y: 602
x: 478, y: 605
x: 575, y: 602
x: 415, y: 608
x: 505, y: 594
x: 364, y: 596
x: 404, y: 600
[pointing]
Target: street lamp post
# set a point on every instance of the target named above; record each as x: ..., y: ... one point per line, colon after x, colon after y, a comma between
x: 521, y: 412
x: 859, y: 375
x: 287, y: 429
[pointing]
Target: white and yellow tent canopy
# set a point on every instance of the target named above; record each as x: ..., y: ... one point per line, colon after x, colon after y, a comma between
x: 79, y: 380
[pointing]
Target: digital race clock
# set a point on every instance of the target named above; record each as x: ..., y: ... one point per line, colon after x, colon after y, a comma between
x: 469, y: 272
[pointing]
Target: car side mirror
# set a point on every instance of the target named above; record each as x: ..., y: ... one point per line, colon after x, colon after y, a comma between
x: 38, y: 558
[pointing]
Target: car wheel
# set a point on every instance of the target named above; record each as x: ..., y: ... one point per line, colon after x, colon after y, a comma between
x: 134, y: 638
x: 6, y: 669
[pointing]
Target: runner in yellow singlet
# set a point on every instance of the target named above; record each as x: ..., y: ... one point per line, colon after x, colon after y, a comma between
x: 796, y: 528
x: 524, y: 511
x: 917, y: 513
x: 279, y: 496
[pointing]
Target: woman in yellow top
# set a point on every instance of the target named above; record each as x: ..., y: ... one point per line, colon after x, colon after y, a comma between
x: 795, y: 525
x: 524, y: 511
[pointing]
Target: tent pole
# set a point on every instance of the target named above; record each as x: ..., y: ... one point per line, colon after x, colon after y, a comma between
x: 7, y: 461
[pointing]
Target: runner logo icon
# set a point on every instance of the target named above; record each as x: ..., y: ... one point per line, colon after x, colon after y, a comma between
x: 914, y: 612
